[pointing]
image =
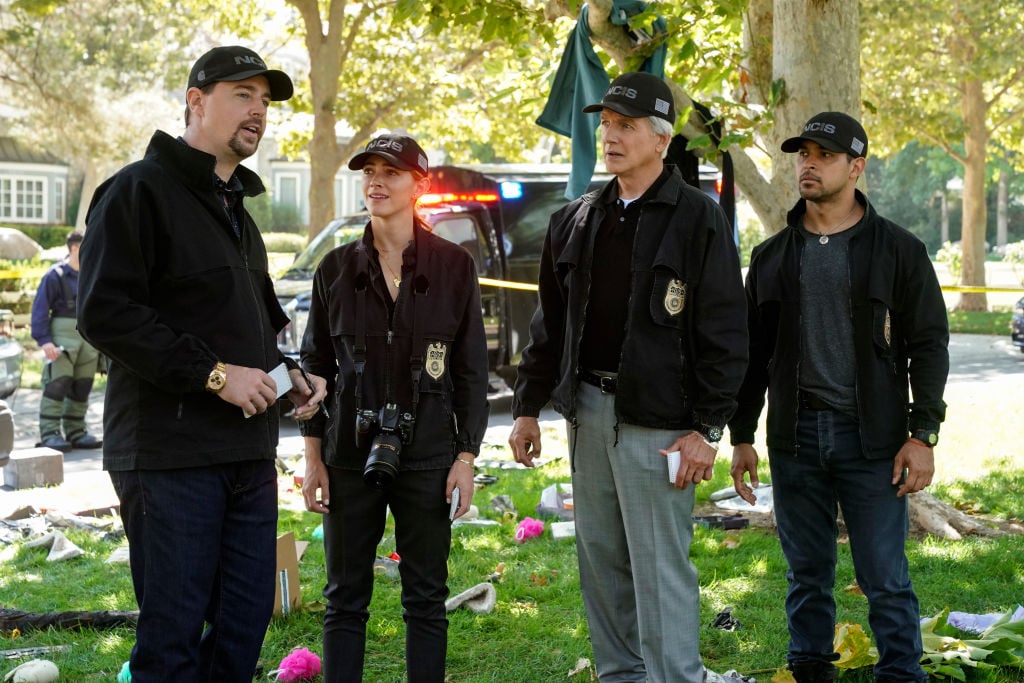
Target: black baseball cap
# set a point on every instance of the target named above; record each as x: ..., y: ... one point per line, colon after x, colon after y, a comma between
x: 236, y: 63
x: 832, y: 130
x: 400, y: 150
x: 638, y: 94
x: 75, y: 237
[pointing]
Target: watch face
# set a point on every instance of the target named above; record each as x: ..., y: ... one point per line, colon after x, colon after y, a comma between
x: 714, y: 434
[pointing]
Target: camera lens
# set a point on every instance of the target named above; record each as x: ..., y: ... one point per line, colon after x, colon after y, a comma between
x: 382, y: 463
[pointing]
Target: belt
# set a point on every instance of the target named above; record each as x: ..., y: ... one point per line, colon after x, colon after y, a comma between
x: 809, y: 401
x: 603, y: 382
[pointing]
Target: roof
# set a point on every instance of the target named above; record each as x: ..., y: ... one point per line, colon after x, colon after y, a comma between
x: 13, y: 151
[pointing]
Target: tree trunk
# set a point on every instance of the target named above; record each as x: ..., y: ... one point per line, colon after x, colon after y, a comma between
x: 972, y: 240
x: 90, y: 181
x: 1002, y: 202
x: 930, y: 515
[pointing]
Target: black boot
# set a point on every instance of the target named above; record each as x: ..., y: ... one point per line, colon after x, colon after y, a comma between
x: 814, y: 672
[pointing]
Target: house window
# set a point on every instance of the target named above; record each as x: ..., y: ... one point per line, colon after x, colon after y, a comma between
x: 287, y: 189
x: 59, y: 206
x: 22, y: 198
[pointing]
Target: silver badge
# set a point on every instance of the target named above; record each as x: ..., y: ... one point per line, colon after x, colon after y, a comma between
x: 435, y: 359
x: 675, y: 297
x: 887, y: 329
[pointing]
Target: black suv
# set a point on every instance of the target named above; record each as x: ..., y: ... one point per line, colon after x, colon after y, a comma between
x: 499, y: 213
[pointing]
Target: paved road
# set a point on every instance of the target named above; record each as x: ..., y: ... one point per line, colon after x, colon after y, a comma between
x: 978, y: 362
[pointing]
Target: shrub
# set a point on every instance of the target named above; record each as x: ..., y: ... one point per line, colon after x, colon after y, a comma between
x: 951, y: 255
x: 1014, y: 253
x: 48, y: 236
x: 284, y: 242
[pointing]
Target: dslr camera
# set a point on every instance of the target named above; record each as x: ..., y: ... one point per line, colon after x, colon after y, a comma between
x: 386, y: 430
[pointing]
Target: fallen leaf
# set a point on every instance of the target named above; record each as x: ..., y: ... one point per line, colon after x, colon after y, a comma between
x: 854, y: 588
x: 783, y: 676
x: 730, y: 542
x: 582, y: 664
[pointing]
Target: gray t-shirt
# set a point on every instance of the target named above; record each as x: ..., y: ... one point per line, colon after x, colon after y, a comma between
x: 828, y: 366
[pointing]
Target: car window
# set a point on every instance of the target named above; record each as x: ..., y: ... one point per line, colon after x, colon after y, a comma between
x: 462, y: 230
x: 337, y: 233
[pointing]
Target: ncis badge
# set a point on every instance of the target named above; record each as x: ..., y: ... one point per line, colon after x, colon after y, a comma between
x: 435, y: 359
x: 675, y: 297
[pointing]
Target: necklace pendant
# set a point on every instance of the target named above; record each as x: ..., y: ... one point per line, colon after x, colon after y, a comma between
x: 397, y: 281
x: 823, y: 239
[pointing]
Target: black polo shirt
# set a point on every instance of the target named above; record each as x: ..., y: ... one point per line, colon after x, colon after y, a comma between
x: 611, y: 280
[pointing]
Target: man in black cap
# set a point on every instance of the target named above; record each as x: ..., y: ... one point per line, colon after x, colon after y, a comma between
x: 640, y: 342
x: 175, y: 291
x: 845, y: 309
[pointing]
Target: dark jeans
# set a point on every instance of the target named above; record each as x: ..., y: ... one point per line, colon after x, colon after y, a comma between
x: 352, y: 530
x: 829, y: 469
x: 203, y: 549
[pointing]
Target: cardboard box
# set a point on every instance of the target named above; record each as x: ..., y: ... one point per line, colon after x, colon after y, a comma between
x: 287, y: 591
x: 30, y: 467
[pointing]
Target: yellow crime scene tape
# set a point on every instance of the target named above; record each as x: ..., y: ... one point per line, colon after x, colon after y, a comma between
x: 972, y: 289
x: 508, y: 284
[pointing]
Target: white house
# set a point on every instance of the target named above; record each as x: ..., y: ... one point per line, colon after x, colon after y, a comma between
x: 33, y: 185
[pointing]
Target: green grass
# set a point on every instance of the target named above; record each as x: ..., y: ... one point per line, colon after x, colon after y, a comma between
x: 980, y: 322
x: 538, y: 630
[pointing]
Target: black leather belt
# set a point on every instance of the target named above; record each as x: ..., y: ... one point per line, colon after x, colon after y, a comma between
x: 809, y: 401
x: 602, y: 382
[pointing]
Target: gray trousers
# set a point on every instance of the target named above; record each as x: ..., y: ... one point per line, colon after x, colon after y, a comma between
x: 633, y: 534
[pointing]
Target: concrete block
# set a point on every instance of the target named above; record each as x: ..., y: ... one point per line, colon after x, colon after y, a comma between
x: 30, y: 467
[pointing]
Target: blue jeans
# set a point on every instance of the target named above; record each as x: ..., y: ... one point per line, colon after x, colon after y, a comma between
x: 203, y: 550
x: 352, y: 530
x: 830, y: 470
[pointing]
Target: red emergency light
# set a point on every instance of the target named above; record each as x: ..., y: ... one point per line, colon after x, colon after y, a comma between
x: 434, y: 198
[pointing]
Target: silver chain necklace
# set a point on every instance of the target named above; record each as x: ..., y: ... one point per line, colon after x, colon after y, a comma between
x: 823, y: 237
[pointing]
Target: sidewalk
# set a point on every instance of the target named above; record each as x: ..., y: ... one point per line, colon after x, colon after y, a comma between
x: 86, y: 486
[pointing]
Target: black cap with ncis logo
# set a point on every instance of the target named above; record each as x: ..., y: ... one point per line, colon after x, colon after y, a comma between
x: 832, y: 130
x: 236, y: 63
x: 400, y: 150
x: 637, y: 94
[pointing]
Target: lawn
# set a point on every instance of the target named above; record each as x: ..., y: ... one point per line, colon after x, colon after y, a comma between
x: 537, y: 632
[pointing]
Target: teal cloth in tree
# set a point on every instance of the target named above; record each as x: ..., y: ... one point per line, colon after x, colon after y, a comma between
x: 581, y: 79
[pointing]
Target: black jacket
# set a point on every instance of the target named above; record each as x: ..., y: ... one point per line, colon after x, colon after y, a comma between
x: 900, y: 327
x: 166, y: 290
x: 438, y: 301
x: 684, y: 352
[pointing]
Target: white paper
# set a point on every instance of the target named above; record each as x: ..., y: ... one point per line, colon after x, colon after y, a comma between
x: 455, y: 503
x: 283, y: 381
x: 673, y: 465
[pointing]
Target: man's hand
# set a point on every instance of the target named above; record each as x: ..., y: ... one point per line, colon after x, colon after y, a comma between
x: 919, y: 463
x: 250, y: 389
x: 744, y: 461
x: 315, y: 481
x: 525, y: 440
x: 306, y: 400
x: 51, y: 351
x: 696, y: 459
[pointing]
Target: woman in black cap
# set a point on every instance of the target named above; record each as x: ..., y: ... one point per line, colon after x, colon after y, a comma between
x: 395, y: 325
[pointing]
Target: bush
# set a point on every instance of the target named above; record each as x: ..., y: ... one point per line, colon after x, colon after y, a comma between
x: 284, y: 242
x: 951, y: 255
x: 1014, y: 253
x: 48, y: 236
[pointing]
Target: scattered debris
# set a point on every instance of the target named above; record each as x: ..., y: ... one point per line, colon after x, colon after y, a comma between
x: 722, y: 521
x: 556, y: 500
x: 60, y: 547
x: 583, y: 664
x: 33, y: 671
x: 11, y: 619
x: 481, y: 599
x: 505, y: 508
x: 725, y: 621
x: 529, y: 528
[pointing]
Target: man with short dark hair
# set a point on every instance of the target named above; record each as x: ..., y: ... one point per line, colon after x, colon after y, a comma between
x: 846, y: 318
x: 639, y: 341
x: 70, y: 362
x: 175, y: 291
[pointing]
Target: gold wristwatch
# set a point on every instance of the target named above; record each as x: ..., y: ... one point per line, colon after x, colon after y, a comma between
x: 218, y: 378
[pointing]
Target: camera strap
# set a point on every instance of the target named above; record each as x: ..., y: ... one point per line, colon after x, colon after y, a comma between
x: 362, y: 283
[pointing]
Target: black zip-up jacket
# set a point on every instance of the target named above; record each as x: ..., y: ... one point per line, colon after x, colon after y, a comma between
x: 900, y: 329
x: 438, y: 301
x: 685, y: 348
x: 166, y: 290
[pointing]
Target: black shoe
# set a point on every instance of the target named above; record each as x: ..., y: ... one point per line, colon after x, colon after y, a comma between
x: 86, y: 440
x: 56, y: 442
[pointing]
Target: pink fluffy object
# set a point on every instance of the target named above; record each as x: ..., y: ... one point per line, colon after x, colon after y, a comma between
x: 529, y: 528
x: 298, y: 665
